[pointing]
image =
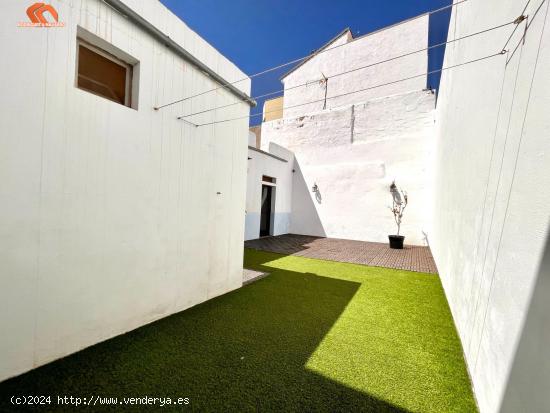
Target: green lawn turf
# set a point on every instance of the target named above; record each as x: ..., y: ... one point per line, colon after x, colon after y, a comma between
x: 313, y: 336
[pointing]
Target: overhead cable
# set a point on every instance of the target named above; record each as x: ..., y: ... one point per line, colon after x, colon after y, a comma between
x: 271, y: 69
x: 355, y: 69
x: 360, y: 90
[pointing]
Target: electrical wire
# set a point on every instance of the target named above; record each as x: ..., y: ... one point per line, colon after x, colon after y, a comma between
x: 360, y: 90
x: 182, y: 117
x: 271, y: 69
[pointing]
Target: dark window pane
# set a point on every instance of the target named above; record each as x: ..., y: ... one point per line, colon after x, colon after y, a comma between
x: 100, y: 75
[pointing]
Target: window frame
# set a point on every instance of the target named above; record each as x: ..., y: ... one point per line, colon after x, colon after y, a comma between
x: 129, y: 71
x: 269, y: 180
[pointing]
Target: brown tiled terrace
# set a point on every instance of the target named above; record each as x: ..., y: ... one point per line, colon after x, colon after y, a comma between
x: 412, y: 257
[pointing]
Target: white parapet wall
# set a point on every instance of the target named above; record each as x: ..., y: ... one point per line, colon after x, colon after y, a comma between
x: 111, y: 217
x: 354, y: 70
x: 492, y: 195
x: 277, y: 163
x: 353, y: 153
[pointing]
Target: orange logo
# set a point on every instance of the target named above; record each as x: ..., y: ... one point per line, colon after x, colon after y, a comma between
x: 37, y: 16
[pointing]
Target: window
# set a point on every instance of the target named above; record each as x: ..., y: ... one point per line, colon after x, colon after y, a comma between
x: 269, y: 179
x: 102, y: 74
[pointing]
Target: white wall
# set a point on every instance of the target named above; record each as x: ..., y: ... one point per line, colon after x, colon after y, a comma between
x: 529, y: 381
x: 110, y: 217
x: 353, y: 153
x: 362, y: 51
x: 260, y: 163
x: 493, y: 184
x: 252, y: 139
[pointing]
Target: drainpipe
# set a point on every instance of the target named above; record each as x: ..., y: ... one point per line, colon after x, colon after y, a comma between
x: 139, y: 21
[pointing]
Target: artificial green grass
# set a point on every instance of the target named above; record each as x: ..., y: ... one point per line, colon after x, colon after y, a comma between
x: 313, y: 336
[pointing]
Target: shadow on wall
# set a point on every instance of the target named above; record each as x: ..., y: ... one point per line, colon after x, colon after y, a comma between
x: 529, y: 381
x: 305, y: 218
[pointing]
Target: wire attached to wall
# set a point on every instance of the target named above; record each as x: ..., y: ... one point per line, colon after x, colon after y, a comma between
x: 271, y: 69
x: 521, y: 18
x: 424, y: 49
x: 360, y: 90
x: 528, y: 23
x: 516, y: 22
x: 521, y: 42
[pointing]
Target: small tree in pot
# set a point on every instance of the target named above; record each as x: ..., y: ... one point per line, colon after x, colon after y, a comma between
x: 400, y: 201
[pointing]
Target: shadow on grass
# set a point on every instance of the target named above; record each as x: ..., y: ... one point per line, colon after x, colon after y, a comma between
x: 244, y: 351
x: 285, y: 244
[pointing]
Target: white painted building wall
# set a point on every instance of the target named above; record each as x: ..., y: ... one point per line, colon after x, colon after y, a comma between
x: 353, y: 153
x: 346, y: 54
x: 354, y: 146
x: 277, y: 163
x: 110, y: 217
x: 492, y: 193
x: 529, y: 379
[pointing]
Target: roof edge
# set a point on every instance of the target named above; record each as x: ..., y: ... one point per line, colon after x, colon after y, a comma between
x: 175, y: 47
x: 317, y: 51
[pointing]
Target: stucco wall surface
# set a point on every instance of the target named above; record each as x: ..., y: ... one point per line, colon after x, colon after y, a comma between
x: 493, y: 185
x: 529, y: 381
x: 110, y: 217
x: 260, y: 164
x: 353, y: 153
x: 360, y: 52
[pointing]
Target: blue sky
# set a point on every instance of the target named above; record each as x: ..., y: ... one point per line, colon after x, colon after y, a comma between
x: 258, y: 34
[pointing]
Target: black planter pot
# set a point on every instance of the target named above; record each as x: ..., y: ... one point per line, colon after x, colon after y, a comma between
x: 396, y: 241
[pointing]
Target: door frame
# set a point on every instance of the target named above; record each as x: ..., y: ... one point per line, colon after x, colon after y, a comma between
x: 272, y: 183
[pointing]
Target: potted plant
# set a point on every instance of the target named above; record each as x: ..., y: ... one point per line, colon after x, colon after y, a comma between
x: 400, y: 200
